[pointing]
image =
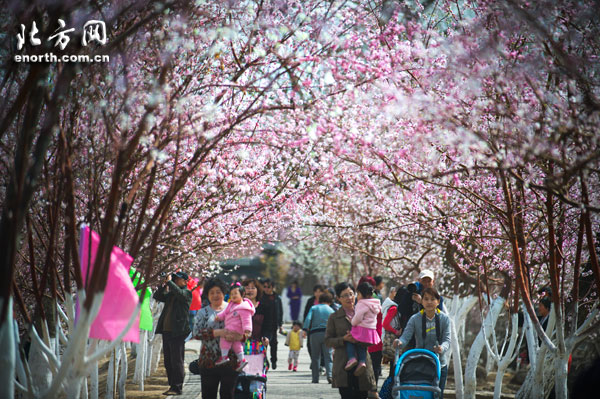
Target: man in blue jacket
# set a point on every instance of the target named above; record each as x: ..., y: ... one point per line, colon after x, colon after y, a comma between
x: 174, y: 326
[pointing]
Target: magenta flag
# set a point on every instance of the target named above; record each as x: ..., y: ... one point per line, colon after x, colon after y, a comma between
x: 120, y: 299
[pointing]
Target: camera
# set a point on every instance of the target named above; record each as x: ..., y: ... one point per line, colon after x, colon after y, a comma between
x: 162, y: 274
x: 411, y: 288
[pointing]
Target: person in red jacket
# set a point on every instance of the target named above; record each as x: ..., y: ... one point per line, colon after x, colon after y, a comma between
x: 392, y: 323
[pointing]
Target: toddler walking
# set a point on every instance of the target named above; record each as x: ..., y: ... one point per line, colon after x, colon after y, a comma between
x: 364, y: 324
x: 295, y: 340
x: 238, y: 318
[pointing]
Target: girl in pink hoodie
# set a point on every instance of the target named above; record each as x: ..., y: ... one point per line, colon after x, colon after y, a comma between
x: 364, y: 324
x: 238, y: 318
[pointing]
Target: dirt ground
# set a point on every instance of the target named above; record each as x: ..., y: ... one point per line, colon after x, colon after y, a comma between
x: 485, y: 385
x: 154, y: 385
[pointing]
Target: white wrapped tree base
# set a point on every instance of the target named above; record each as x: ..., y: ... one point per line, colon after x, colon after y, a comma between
x: 113, y: 373
x: 478, y: 345
x: 7, y: 353
x: 123, y: 376
x: 156, y: 349
x: 39, y: 365
x: 140, y: 361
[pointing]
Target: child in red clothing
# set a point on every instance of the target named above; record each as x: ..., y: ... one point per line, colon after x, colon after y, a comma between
x: 238, y: 318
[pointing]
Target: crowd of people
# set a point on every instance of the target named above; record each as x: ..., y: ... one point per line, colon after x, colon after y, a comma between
x: 344, y: 327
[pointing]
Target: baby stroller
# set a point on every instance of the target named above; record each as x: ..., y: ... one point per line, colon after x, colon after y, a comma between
x: 252, y: 381
x: 417, y: 375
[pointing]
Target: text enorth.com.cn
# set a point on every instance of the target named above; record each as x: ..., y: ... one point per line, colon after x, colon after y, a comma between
x: 51, y: 57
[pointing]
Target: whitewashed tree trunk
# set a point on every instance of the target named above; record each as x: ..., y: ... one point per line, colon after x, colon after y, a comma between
x: 23, y: 374
x: 155, y: 341
x: 94, y: 382
x: 156, y: 348
x: 113, y: 373
x: 93, y: 371
x: 456, y: 358
x: 561, y: 364
x: 140, y: 360
x: 545, y: 359
x: 8, y: 351
x: 75, y: 364
x: 458, y: 309
x: 39, y: 365
x: 534, y: 385
x: 84, y: 389
x: 532, y: 342
x: 466, y: 306
x: 149, y: 357
x: 478, y: 345
x: 509, y: 355
x: 489, y: 362
x: 123, y: 376
x: 68, y: 370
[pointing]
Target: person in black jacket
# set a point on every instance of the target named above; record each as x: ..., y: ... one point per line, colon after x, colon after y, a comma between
x: 272, y: 300
x: 174, y: 326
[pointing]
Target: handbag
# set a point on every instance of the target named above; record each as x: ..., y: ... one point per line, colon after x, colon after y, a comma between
x: 388, y: 350
x: 194, y: 367
x: 386, y: 389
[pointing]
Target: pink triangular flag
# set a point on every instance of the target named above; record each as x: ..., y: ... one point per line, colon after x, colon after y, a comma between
x: 120, y: 299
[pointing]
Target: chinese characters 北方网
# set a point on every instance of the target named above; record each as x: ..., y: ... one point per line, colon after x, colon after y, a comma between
x: 93, y: 30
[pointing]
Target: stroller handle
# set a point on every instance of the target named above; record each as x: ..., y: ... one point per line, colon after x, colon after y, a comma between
x: 396, y: 358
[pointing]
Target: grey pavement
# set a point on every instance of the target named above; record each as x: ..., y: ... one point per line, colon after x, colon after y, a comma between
x: 281, y: 383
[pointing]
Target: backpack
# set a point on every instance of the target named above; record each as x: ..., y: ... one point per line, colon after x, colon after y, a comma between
x: 437, y: 325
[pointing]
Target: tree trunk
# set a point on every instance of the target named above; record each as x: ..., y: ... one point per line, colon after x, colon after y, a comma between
x: 84, y: 389
x: 156, y: 345
x: 489, y: 362
x: 123, y: 376
x: 478, y: 345
x: 533, y: 387
x: 561, y: 369
x: 113, y: 372
x: 40, y: 368
x: 456, y: 358
x: 140, y: 360
x: 532, y: 342
x: 8, y: 350
x: 509, y: 355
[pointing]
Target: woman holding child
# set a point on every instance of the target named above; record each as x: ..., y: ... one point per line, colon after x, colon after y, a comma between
x: 337, y: 334
x: 213, y: 378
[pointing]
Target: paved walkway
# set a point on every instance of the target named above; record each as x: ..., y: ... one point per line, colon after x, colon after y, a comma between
x: 281, y: 382
x: 284, y: 384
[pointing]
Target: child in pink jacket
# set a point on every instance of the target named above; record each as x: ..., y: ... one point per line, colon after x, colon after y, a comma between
x: 238, y: 318
x: 364, y: 324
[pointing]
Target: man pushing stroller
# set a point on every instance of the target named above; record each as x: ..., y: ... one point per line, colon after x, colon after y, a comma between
x: 431, y: 329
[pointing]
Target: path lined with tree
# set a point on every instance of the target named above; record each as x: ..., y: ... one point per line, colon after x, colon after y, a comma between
x: 387, y: 137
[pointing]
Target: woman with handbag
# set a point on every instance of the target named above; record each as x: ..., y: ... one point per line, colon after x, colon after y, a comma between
x: 214, y: 379
x: 393, y: 329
